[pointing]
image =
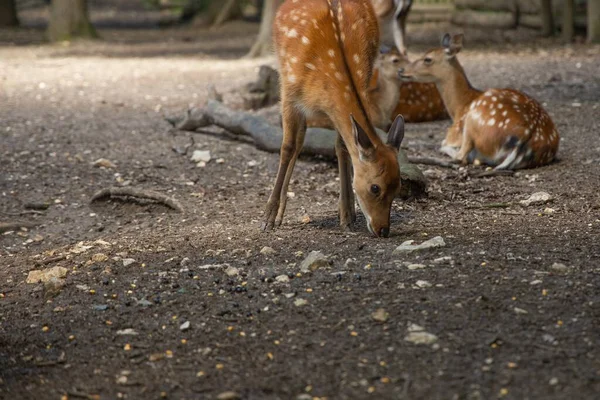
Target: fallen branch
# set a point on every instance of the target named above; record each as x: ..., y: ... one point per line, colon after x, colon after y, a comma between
x: 22, y: 213
x: 433, y: 161
x: 267, y: 137
x: 137, y: 195
x: 11, y: 226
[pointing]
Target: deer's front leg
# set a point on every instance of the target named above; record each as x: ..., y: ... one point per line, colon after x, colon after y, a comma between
x: 346, y: 204
x: 294, y: 127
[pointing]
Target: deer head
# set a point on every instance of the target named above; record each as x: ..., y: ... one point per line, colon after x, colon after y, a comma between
x: 436, y: 65
x: 376, y: 175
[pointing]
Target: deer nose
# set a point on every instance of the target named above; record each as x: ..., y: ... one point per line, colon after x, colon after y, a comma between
x: 384, y: 232
x: 400, y: 71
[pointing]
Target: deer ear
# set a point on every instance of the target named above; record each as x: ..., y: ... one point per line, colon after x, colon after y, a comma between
x: 363, y: 142
x: 457, y: 42
x: 452, y: 44
x: 396, y: 133
x: 384, y: 49
x: 446, y: 41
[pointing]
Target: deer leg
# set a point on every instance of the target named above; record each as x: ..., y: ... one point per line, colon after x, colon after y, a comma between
x: 300, y: 133
x: 452, y: 142
x: 399, y: 28
x: 293, y: 119
x: 346, y: 205
x: 465, y: 148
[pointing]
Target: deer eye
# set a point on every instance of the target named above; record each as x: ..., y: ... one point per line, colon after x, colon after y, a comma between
x: 396, y: 60
x: 375, y: 189
x: 427, y: 61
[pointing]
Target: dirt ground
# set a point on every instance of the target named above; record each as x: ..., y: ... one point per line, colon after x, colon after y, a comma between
x: 149, y: 309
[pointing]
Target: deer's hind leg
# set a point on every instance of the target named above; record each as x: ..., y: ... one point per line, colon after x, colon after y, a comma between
x: 294, y: 130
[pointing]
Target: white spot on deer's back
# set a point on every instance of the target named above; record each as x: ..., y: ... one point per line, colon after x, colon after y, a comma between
x: 310, y: 66
x: 356, y: 58
x: 339, y: 76
x: 491, y: 122
x: 292, y: 33
x: 292, y: 78
x: 293, y: 60
x: 305, y: 40
x: 331, y: 53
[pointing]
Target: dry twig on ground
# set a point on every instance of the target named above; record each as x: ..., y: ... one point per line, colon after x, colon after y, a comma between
x: 133, y: 194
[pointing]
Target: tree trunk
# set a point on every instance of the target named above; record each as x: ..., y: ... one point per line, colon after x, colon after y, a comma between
x: 593, y: 23
x: 264, y: 42
x: 568, y: 25
x: 69, y: 20
x: 230, y: 10
x: 8, y: 13
x: 547, y: 18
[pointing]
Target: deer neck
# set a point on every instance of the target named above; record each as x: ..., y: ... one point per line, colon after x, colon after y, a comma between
x: 343, y: 126
x: 387, y: 95
x: 456, y: 91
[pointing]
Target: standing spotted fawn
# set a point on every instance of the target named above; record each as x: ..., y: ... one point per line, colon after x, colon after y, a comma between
x: 326, y: 50
x: 502, y: 128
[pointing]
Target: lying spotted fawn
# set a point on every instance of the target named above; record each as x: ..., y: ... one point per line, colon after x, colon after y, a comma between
x: 326, y: 50
x: 503, y: 128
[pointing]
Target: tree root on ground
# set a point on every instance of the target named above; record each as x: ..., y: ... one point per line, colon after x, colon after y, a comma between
x: 11, y: 226
x: 137, y: 195
x: 433, y: 161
